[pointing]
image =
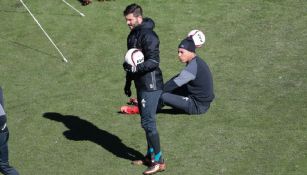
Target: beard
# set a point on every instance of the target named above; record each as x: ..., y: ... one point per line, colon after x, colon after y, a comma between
x: 132, y: 26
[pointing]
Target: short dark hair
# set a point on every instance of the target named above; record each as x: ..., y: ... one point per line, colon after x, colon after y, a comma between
x: 135, y: 9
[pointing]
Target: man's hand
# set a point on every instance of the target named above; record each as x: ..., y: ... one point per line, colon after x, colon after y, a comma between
x: 128, y: 68
x: 127, y: 91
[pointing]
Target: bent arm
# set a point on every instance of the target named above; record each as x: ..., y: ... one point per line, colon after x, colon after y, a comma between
x: 151, y: 52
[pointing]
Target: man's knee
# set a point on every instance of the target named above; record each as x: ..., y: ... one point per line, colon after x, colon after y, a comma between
x: 164, y: 97
x: 149, y: 128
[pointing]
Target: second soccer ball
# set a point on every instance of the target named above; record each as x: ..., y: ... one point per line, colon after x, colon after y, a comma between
x: 198, y: 37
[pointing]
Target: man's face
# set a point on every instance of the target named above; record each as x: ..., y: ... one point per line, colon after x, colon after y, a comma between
x: 133, y: 21
x: 185, y: 55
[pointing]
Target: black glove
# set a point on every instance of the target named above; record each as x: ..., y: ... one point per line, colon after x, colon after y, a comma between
x: 128, y: 68
x: 127, y: 89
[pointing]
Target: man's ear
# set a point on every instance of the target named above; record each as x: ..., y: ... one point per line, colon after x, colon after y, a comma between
x: 140, y: 19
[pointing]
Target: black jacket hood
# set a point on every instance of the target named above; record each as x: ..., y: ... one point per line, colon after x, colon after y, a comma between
x: 147, y: 23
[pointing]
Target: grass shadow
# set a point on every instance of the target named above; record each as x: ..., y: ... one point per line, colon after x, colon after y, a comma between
x: 27, y: 47
x: 171, y: 111
x: 80, y: 130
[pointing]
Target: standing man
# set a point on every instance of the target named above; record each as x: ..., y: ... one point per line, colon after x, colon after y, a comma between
x: 5, y: 168
x: 190, y: 91
x: 148, y: 81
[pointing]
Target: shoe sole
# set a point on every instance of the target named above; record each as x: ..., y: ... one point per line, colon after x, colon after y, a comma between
x: 154, y: 172
x: 162, y: 168
x: 140, y: 162
x: 137, y: 162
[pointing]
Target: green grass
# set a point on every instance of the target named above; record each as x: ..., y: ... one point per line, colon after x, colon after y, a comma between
x: 256, y: 50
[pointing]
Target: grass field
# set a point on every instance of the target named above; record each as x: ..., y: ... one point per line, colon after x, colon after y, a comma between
x: 63, y: 117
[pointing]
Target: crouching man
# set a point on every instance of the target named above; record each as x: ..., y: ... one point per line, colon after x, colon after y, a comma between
x: 191, y: 90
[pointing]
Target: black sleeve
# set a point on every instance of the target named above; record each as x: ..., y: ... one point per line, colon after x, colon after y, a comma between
x: 129, y: 78
x: 1, y: 97
x: 170, y: 86
x: 150, y: 49
x: 2, y: 115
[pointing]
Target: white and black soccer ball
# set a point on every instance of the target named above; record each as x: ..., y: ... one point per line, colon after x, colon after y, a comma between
x: 134, y: 57
x: 198, y: 37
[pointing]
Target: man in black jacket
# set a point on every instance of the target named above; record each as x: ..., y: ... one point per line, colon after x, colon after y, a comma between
x: 148, y: 81
x: 5, y: 168
x: 191, y: 90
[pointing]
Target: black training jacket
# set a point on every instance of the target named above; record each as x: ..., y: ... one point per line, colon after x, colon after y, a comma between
x: 148, y: 76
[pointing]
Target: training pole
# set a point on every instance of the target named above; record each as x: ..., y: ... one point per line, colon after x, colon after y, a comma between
x: 73, y: 8
x: 64, y: 59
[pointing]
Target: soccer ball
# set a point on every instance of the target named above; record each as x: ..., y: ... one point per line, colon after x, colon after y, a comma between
x: 134, y: 57
x: 198, y: 37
